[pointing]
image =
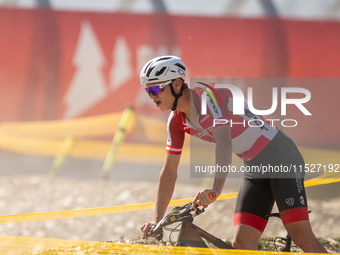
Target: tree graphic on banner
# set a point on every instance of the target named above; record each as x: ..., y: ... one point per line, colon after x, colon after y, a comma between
x: 121, y: 70
x: 88, y: 85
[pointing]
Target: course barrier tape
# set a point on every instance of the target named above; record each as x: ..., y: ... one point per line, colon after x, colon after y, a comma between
x: 48, y: 137
x: 325, y: 178
x: 31, y: 217
x: 88, y: 149
x: 98, y: 149
x: 12, y: 245
x: 104, y: 125
x: 95, y: 126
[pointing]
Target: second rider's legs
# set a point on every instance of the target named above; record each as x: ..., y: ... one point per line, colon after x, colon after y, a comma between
x: 253, y: 203
x: 246, y: 237
x: 303, y: 236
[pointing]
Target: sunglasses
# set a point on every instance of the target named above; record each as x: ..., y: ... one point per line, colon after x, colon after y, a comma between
x: 154, y: 90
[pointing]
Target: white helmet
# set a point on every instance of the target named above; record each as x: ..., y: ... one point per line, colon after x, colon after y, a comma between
x: 163, y: 69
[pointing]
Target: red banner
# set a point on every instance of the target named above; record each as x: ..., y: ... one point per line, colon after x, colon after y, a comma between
x: 56, y: 64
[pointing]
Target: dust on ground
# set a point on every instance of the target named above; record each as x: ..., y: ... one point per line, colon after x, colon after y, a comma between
x: 29, y: 193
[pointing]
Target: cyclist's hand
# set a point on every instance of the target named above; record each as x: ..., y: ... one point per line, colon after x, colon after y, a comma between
x: 204, y: 198
x: 145, y: 228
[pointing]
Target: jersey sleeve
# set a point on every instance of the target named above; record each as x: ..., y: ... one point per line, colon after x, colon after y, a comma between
x: 175, y: 136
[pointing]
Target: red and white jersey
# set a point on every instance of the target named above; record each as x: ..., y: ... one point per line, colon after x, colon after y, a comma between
x: 250, y: 133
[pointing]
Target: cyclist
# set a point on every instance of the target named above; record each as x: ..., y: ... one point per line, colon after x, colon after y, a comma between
x: 164, y: 81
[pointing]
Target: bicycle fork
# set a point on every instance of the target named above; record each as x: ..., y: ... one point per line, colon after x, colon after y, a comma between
x: 191, y: 235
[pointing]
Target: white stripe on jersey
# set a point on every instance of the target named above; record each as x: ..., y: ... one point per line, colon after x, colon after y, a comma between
x: 173, y: 149
x: 248, y: 137
x: 230, y: 104
x: 246, y: 140
x: 271, y: 130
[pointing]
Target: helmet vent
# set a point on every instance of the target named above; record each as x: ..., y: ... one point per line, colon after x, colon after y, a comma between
x: 159, y: 72
x: 181, y: 66
x: 166, y: 58
x: 149, y: 71
x: 146, y: 68
x: 162, y: 69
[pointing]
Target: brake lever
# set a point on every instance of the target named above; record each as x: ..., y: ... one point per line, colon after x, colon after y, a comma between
x: 173, y: 217
x: 199, y: 211
x: 154, y: 228
x: 159, y: 236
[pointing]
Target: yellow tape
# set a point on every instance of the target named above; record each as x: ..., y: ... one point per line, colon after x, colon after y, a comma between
x: 47, y: 137
x: 33, y: 245
x: 30, y: 245
x: 86, y: 148
x: 95, y: 126
x: 30, y: 217
x: 152, y: 129
x: 320, y: 181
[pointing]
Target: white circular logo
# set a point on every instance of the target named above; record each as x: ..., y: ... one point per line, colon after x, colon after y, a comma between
x: 290, y: 201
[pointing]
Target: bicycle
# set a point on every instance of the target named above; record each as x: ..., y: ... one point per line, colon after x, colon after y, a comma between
x: 192, y: 235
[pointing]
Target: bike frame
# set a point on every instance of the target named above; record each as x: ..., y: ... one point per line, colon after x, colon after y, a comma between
x: 191, y: 235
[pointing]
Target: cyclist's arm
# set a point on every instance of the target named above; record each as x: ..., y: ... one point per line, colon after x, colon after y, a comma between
x: 166, y: 186
x: 223, y: 153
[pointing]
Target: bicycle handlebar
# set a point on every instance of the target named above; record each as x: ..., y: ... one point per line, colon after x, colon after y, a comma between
x: 179, y: 214
x: 212, y: 196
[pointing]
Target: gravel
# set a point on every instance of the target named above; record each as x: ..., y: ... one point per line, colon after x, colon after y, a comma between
x: 34, y: 193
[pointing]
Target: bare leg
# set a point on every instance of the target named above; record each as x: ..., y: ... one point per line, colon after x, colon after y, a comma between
x: 303, y: 236
x: 246, y: 237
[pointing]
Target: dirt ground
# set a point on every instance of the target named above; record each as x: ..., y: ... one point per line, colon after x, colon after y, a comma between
x: 25, y: 188
x: 35, y: 193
